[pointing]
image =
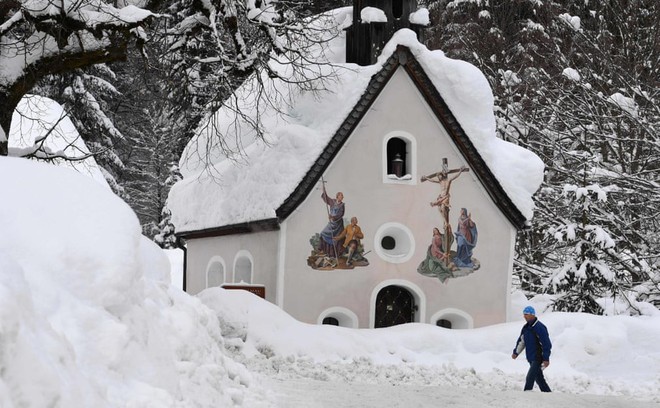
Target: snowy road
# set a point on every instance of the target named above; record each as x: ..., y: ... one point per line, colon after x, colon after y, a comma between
x: 307, y: 393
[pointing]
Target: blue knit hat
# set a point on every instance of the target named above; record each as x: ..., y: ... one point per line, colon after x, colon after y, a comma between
x: 529, y: 310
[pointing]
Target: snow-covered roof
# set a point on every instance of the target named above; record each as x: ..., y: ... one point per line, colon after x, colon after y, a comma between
x: 220, y: 190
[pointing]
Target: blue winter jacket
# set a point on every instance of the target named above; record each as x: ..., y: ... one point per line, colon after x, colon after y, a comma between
x: 535, y: 340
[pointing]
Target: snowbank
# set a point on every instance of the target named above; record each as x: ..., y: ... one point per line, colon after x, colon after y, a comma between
x: 87, y: 314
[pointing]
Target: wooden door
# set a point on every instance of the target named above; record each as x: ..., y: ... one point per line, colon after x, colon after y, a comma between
x: 394, y: 305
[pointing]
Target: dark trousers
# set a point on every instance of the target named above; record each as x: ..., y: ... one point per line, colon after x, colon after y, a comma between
x: 535, y: 373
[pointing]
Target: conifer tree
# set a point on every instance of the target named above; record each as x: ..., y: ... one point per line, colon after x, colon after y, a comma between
x: 87, y: 95
x: 574, y: 81
x: 164, y: 234
x: 585, y: 277
x: 165, y: 237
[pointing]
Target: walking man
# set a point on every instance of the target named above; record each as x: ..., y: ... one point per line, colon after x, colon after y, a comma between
x: 534, y: 339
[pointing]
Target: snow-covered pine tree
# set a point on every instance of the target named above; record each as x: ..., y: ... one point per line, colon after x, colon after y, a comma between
x: 573, y: 77
x: 164, y: 233
x: 585, y: 277
x: 165, y: 238
x: 87, y: 95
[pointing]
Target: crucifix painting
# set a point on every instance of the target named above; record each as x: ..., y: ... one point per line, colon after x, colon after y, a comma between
x: 441, y: 261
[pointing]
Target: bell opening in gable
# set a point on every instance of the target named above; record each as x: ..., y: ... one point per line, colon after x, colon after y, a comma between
x: 397, y: 158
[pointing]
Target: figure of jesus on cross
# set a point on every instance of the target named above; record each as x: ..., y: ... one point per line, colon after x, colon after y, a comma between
x: 443, y: 178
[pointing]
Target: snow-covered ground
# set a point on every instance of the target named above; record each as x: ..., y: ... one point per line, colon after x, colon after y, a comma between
x: 89, y: 318
x: 333, y: 394
x: 416, y: 364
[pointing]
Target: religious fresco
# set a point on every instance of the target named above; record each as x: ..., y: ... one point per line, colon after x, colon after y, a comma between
x: 441, y: 260
x: 339, y: 244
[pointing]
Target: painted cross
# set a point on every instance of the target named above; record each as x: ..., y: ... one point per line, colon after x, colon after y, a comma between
x: 443, y: 201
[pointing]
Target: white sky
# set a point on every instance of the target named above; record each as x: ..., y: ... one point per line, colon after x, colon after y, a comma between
x: 89, y: 318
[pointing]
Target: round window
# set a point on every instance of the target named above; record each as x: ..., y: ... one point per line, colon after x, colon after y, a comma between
x: 388, y: 243
x: 394, y: 242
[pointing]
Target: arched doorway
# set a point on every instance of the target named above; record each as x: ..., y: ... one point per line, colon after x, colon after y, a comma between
x: 394, y: 305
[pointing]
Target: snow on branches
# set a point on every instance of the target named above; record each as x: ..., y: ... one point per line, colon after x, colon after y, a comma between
x: 44, y: 37
x: 586, y: 279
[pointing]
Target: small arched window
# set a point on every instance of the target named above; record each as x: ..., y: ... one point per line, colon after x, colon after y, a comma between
x: 396, y: 157
x: 331, y: 321
x: 243, y: 267
x: 215, y: 274
x: 338, y: 316
x: 452, y: 319
x: 399, y: 158
x: 443, y: 323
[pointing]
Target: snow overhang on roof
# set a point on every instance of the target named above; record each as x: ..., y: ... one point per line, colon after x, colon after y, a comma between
x: 226, y: 197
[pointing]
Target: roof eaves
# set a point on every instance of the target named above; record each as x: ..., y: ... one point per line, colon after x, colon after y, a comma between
x: 462, y: 141
x: 269, y: 224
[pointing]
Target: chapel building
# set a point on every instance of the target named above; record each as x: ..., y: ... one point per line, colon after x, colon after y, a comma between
x: 396, y: 205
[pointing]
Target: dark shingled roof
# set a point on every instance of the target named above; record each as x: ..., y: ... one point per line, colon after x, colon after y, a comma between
x: 401, y: 57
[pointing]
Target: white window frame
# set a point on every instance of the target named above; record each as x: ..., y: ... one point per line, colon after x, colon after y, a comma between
x: 403, y: 237
x: 458, y: 318
x: 411, y: 157
x: 345, y: 317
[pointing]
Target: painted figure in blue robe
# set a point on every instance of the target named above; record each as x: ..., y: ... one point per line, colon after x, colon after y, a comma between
x: 466, y: 240
x: 335, y: 224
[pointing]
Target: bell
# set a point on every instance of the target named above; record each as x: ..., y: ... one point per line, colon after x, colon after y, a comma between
x: 397, y: 165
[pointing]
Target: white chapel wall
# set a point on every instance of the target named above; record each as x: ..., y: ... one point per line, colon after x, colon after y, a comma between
x: 357, y: 172
x: 260, y: 248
